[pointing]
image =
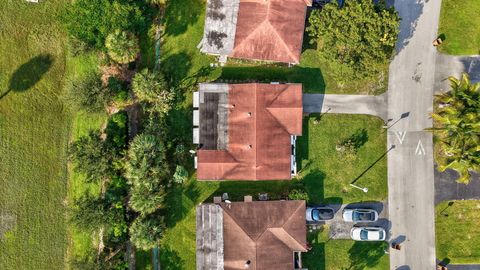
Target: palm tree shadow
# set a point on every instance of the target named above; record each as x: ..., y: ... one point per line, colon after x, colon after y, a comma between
x: 29, y: 74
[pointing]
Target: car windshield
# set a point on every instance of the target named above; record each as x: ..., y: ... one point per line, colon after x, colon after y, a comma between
x: 322, y: 214
x: 364, y: 235
x: 380, y: 235
x: 361, y: 216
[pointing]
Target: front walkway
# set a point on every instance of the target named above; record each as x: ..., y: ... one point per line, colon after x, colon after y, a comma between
x: 346, y: 104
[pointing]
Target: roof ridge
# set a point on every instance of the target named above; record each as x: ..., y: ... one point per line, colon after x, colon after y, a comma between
x: 255, y: 130
x: 238, y: 224
x: 272, y: 230
x: 274, y: 30
x: 291, y: 216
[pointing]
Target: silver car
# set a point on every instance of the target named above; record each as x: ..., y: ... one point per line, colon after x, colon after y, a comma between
x: 368, y: 234
x: 319, y: 213
x: 360, y: 215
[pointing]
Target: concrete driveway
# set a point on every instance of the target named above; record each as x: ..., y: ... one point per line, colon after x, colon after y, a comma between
x: 346, y: 104
x: 449, y: 65
x: 446, y: 188
x: 339, y: 229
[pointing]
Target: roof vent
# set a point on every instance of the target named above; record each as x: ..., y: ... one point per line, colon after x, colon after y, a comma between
x: 249, y: 114
x: 249, y: 146
x: 247, y: 264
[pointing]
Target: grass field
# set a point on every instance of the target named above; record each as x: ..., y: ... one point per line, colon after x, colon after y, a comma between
x: 34, y: 130
x: 457, y: 232
x: 322, y: 177
x: 182, y: 61
x: 459, y: 23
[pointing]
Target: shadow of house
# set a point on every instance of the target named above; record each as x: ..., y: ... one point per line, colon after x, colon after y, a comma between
x: 311, y: 78
x: 29, y: 74
x: 409, y: 19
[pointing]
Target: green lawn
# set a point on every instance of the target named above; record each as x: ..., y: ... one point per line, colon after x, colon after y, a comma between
x: 344, y: 254
x: 182, y: 61
x: 459, y: 23
x: 324, y: 182
x: 457, y: 232
x: 34, y: 130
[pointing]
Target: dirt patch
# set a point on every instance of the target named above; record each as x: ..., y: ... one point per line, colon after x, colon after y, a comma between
x: 120, y: 72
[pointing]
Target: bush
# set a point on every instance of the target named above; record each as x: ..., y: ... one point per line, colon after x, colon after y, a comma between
x: 117, y: 131
x: 92, y: 20
x: 88, y: 94
x: 298, y: 194
x: 181, y: 175
x: 118, y: 90
x: 122, y: 46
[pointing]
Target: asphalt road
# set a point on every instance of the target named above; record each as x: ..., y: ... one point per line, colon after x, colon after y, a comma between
x: 410, y: 164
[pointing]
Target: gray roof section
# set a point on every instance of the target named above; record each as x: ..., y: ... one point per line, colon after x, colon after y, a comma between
x: 209, y: 237
x: 220, y: 27
x: 213, y: 109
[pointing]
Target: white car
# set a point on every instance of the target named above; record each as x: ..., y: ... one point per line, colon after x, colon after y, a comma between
x: 368, y: 234
x: 360, y: 215
x: 319, y: 213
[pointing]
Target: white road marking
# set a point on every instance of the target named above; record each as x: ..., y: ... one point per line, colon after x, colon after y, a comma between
x: 400, y: 136
x: 420, y: 150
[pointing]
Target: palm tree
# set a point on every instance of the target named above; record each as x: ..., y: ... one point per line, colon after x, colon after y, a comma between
x: 122, y: 46
x: 457, y: 128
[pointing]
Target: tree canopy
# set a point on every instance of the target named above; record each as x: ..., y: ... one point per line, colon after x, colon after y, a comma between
x: 457, y: 128
x: 122, y: 46
x: 146, y: 232
x: 359, y: 36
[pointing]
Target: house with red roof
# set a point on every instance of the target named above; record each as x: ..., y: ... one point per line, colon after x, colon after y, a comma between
x: 266, y: 30
x: 247, y: 131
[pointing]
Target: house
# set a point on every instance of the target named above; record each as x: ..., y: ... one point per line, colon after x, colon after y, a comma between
x: 247, y: 131
x: 266, y: 30
x: 259, y: 235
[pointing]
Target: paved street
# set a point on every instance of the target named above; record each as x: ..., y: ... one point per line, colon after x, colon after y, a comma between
x: 348, y: 104
x: 410, y: 164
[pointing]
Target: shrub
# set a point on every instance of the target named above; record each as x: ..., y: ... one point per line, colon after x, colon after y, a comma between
x: 92, y: 20
x: 118, y: 90
x: 358, y: 38
x: 298, y: 194
x: 117, y: 131
x: 88, y: 94
x: 181, y: 175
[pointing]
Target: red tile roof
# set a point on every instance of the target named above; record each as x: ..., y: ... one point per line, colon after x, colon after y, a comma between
x: 261, y: 120
x: 264, y: 233
x: 270, y: 30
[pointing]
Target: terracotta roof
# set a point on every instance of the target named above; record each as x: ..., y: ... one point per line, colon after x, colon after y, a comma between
x: 264, y: 233
x: 270, y: 30
x: 261, y: 120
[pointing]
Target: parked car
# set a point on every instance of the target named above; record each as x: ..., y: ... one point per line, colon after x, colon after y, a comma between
x: 315, y: 214
x: 360, y: 215
x: 368, y: 234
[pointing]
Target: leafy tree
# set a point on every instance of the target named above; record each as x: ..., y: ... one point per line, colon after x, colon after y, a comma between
x: 152, y: 88
x: 88, y: 94
x: 122, y: 46
x: 359, y: 37
x: 91, y: 157
x: 180, y: 175
x: 146, y: 232
x: 92, y: 20
x: 90, y: 213
x: 457, y: 128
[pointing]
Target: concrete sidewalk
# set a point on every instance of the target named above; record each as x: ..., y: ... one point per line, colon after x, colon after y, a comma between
x: 346, y: 104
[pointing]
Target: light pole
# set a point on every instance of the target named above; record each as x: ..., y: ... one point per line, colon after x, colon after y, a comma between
x: 364, y: 189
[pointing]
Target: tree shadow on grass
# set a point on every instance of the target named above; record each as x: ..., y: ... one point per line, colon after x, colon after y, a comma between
x: 176, y: 67
x: 311, y: 78
x: 180, y: 14
x: 365, y: 254
x: 170, y: 260
x: 29, y: 74
x: 180, y: 201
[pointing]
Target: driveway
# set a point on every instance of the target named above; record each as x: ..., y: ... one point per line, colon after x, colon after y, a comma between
x: 446, y: 188
x: 449, y: 65
x: 339, y: 229
x: 410, y: 163
x: 346, y: 104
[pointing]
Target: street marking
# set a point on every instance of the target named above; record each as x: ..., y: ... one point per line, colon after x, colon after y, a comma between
x: 401, y: 136
x: 420, y: 150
